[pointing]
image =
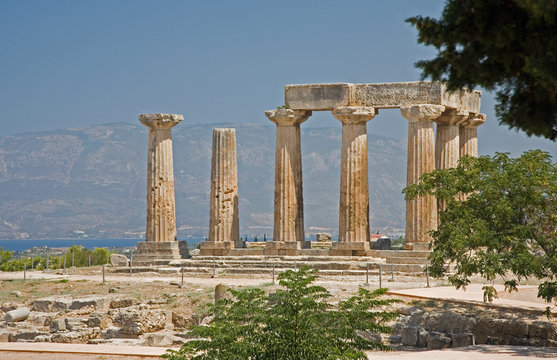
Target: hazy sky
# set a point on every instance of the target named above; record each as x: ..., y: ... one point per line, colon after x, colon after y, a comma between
x: 76, y: 63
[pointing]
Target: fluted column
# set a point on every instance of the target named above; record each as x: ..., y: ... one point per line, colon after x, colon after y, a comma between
x: 161, y: 214
x: 223, y: 217
x: 469, y: 135
x: 289, y: 201
x: 447, y: 145
x: 421, y: 213
x: 354, y: 187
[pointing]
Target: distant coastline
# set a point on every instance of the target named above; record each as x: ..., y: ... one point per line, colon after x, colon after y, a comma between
x: 21, y: 245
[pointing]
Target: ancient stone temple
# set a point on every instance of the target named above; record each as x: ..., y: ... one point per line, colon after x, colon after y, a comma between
x: 224, y: 228
x: 421, y: 103
x: 160, y: 233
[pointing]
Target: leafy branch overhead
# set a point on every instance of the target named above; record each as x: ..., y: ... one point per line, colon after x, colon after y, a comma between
x: 500, y: 220
x: 297, y: 322
x: 506, y: 45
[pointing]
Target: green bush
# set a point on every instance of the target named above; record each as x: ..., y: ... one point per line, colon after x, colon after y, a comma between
x: 296, y: 322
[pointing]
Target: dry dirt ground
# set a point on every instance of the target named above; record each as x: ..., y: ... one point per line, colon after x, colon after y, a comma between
x: 198, y: 291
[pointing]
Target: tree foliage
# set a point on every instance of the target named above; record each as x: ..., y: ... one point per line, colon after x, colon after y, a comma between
x: 500, y: 220
x: 296, y: 323
x: 507, y: 45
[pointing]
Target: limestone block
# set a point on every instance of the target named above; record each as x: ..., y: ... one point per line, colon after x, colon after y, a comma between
x: 462, y: 339
x: 97, y: 302
x: 360, y: 248
x: 162, y: 339
x: 27, y: 335
x: 438, y: 340
x: 282, y: 248
x: 380, y: 95
x: 43, y: 305
x: 409, y: 336
x: 317, y: 96
x: 221, y: 292
x: 119, y: 260
x: 74, y: 324
x: 122, y: 303
x: 17, y: 314
x: 321, y: 237
x: 214, y: 248
x: 57, y: 325
x: 75, y: 337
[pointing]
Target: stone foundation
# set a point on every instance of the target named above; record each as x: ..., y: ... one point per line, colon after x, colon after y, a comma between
x: 148, y: 252
x: 285, y: 248
x: 350, y: 249
x: 216, y: 248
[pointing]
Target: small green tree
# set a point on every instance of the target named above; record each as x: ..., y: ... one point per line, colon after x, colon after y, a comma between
x: 296, y: 322
x: 500, y: 220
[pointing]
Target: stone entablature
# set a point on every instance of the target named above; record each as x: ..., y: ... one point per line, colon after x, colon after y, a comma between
x: 380, y: 96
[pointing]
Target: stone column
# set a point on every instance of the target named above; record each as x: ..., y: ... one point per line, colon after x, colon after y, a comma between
x: 421, y: 213
x: 224, y: 228
x: 160, y: 233
x: 353, y: 236
x: 469, y: 135
x: 447, y: 145
x: 288, y: 231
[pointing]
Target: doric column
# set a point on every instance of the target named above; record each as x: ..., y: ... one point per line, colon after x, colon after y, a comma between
x: 161, y: 215
x: 289, y: 201
x: 223, y: 216
x: 447, y: 144
x: 469, y: 135
x: 354, y: 189
x: 421, y: 213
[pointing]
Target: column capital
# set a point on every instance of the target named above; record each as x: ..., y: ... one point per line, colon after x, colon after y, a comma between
x: 417, y: 113
x: 287, y: 117
x: 474, y: 120
x: 160, y: 121
x: 453, y: 117
x: 350, y: 115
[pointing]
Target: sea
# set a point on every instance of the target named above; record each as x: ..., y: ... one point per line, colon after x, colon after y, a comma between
x: 21, y: 245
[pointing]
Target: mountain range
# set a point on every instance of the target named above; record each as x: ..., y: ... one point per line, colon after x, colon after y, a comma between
x: 91, y: 181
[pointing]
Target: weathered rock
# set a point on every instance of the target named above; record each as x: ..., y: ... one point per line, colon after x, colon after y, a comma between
x: 195, y: 252
x: 98, y: 303
x: 122, y: 303
x: 61, y: 305
x: 221, y: 292
x: 41, y: 319
x: 26, y: 335
x: 43, y: 338
x: 17, y: 314
x: 395, y: 339
x: 116, y: 333
x: 74, y: 324
x: 57, y: 325
x: 162, y: 339
x: 9, y: 307
x: 462, y: 339
x: 180, y: 321
x: 423, y: 338
x: 119, y: 260
x: 42, y: 305
x: 137, y: 323
x: 75, y: 337
x: 17, y: 293
x: 99, y: 320
x: 323, y: 237
x: 5, y: 334
x: 438, y: 340
x: 409, y: 336
x: 543, y: 330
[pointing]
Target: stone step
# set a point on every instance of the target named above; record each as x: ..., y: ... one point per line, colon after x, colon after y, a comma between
x: 406, y: 260
x: 400, y: 253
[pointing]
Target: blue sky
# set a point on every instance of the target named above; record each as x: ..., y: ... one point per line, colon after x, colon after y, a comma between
x: 77, y: 63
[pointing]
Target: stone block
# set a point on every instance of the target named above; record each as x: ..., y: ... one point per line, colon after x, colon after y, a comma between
x: 438, y: 340
x: 119, y: 260
x: 99, y: 303
x: 409, y: 336
x: 323, y: 237
x: 350, y: 249
x: 423, y: 338
x: 122, y: 303
x: 74, y: 324
x: 57, y: 325
x: 61, y: 305
x: 214, y: 248
x: 162, y: 339
x: 380, y: 95
x: 26, y: 335
x: 282, y: 248
x: 462, y: 339
x: 317, y: 96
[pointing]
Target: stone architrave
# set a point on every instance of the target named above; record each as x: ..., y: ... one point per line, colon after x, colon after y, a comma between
x: 160, y: 235
x: 421, y: 213
x: 447, y: 144
x: 289, y: 201
x: 224, y: 228
x: 354, y: 186
x: 469, y: 135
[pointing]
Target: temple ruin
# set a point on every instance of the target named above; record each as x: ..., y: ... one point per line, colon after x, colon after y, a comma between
x: 422, y: 103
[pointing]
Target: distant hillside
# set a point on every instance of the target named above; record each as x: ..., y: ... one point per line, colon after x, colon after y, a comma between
x: 91, y: 182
